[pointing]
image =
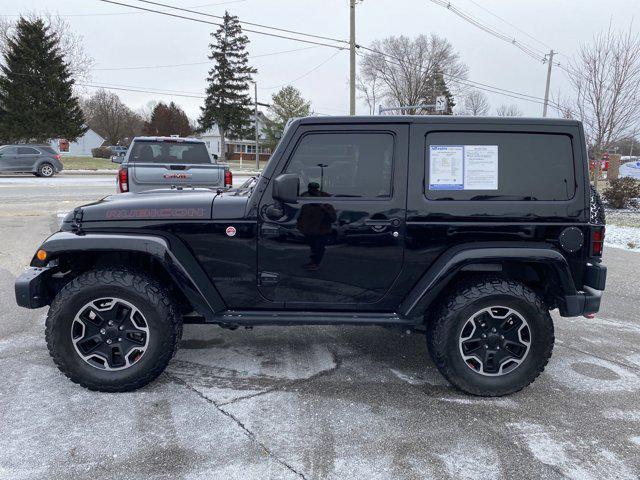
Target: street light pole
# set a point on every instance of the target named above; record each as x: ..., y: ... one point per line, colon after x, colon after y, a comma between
x: 546, y: 90
x: 352, y: 57
x: 255, y: 121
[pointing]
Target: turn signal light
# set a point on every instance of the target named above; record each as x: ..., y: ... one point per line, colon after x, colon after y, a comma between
x: 41, y: 255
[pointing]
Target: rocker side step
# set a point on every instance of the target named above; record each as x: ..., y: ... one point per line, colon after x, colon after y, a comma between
x: 273, y: 317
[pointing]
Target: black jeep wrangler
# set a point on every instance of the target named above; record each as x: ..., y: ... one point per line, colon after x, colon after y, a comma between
x: 468, y: 229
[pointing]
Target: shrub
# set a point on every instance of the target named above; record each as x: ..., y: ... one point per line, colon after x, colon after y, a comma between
x: 101, y: 152
x: 622, y: 192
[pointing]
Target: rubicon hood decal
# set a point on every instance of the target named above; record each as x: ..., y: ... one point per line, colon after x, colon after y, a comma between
x: 131, y: 213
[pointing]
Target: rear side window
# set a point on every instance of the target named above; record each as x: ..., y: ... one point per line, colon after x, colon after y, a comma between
x: 48, y: 150
x: 344, y: 164
x: 169, y: 152
x: 499, y: 166
x: 27, y: 151
x: 8, y: 150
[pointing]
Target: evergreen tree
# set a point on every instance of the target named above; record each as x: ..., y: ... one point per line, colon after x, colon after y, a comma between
x: 36, y: 97
x: 168, y: 120
x: 228, y: 102
x: 288, y: 103
x: 439, y: 87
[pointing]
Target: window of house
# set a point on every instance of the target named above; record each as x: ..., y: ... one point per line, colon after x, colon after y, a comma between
x: 344, y: 164
x: 499, y: 166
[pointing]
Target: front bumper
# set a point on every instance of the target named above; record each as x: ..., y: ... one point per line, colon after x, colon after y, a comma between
x: 31, y: 287
x: 587, y: 301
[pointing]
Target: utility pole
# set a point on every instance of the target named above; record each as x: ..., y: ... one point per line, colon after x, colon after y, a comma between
x: 255, y: 121
x: 546, y: 90
x: 352, y: 57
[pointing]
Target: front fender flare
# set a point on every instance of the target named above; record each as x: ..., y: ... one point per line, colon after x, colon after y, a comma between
x: 452, y: 261
x: 172, y: 254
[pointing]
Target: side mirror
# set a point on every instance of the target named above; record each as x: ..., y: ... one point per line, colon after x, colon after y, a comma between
x: 117, y: 159
x: 214, y: 156
x: 286, y: 188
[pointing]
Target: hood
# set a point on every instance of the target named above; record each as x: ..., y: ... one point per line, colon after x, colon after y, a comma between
x: 192, y: 204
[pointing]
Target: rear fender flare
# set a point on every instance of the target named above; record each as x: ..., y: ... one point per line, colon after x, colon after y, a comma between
x: 172, y: 254
x: 484, y: 257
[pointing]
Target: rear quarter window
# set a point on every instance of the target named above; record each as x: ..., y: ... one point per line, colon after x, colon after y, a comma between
x: 530, y: 166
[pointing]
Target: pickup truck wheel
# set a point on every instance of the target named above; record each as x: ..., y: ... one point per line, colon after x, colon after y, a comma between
x: 491, y: 337
x: 113, y: 330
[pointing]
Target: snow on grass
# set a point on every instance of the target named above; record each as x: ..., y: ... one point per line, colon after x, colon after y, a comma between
x: 627, y: 238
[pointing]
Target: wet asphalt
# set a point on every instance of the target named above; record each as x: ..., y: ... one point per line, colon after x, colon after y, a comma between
x: 312, y: 402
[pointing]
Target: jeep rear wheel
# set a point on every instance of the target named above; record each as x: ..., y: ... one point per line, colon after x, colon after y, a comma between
x: 113, y: 329
x: 491, y: 337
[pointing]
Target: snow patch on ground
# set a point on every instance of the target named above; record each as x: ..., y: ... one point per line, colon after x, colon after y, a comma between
x: 469, y: 461
x: 624, y: 415
x: 627, y: 238
x: 593, y: 375
x: 498, y: 402
x: 573, y: 459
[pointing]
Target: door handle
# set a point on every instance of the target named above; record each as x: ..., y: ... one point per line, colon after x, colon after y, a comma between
x: 395, y: 222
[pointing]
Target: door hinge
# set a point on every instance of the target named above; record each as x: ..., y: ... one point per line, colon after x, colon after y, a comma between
x: 267, y: 278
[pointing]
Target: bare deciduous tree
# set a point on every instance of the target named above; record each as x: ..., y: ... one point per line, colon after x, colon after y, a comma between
x: 476, y: 104
x: 71, y: 43
x: 369, y: 92
x: 508, y: 111
x: 111, y: 118
x: 403, y: 71
x: 605, y: 76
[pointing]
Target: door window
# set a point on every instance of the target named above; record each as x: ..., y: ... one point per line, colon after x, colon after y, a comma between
x: 344, y: 165
x: 27, y: 151
x: 8, y: 151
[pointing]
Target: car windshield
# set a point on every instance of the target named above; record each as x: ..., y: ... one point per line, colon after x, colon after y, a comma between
x: 169, y: 151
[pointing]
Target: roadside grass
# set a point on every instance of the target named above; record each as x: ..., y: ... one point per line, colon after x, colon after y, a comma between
x: 87, y: 163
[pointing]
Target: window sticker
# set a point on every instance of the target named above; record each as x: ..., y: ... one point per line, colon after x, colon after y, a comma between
x: 463, y: 167
x: 446, y: 167
x: 481, y: 167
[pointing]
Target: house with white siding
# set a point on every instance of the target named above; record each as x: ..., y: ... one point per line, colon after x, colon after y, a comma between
x: 81, y: 147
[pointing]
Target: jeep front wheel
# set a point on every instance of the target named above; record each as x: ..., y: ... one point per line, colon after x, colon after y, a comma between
x: 491, y: 337
x: 113, y: 329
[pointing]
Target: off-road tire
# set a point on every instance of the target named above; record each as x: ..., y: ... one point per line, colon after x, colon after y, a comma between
x: 445, y: 327
x: 148, y: 295
x: 46, y: 170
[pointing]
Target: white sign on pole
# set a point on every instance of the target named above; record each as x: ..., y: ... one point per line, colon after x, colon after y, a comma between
x: 441, y: 103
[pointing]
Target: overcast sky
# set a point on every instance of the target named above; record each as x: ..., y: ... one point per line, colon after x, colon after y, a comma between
x: 117, y: 36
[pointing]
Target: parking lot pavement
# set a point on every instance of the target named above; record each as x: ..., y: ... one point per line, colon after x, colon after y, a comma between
x: 320, y: 402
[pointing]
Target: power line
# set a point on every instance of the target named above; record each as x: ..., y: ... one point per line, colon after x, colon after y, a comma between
x: 107, y: 14
x: 512, y: 25
x: 304, y: 75
x: 199, y: 20
x: 245, y: 22
x: 138, y: 90
x: 533, y: 52
x: 145, y: 67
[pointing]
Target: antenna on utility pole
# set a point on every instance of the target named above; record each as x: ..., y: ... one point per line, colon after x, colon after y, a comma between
x: 546, y: 90
x: 352, y: 57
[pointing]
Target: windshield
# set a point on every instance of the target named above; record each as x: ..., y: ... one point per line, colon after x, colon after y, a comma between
x: 155, y: 151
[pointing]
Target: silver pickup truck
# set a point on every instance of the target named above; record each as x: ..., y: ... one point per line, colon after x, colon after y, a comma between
x: 163, y: 162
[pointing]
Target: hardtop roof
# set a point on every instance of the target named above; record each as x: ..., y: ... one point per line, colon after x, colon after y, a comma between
x: 447, y: 119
